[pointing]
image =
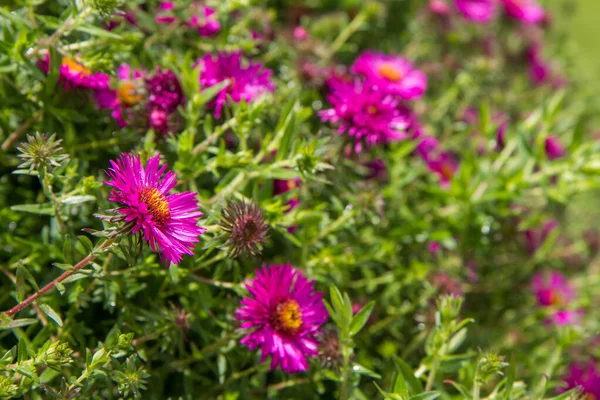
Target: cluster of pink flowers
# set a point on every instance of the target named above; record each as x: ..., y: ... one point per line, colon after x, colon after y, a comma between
x: 369, y: 106
x: 197, y: 16
x: 154, y: 97
x: 483, y: 11
x: 585, y: 376
x: 74, y: 75
x: 247, y: 80
x: 553, y: 290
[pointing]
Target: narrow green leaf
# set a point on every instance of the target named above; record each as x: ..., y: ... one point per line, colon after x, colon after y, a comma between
x: 425, y: 396
x: 60, y: 287
x: 86, y: 242
x: 22, y: 353
x: 40, y: 209
x: 77, y: 199
x: 414, y: 384
x: 400, y: 385
x: 53, y: 315
x: 67, y: 254
x: 361, y: 318
x: 17, y: 323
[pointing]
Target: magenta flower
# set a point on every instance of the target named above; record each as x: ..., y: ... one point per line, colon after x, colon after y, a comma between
x: 439, y: 7
x: 204, y: 20
x: 365, y: 113
x: 73, y: 75
x: 284, y: 313
x: 164, y: 96
x: 391, y: 73
x: 565, y: 317
x: 281, y: 186
x: 434, y: 247
x: 168, y: 222
x: 164, y: 14
x: 300, y: 33
x: 444, y: 166
x: 126, y: 95
x: 551, y: 289
x: 554, y: 148
x: 247, y: 80
x: 534, y: 238
x: 479, y: 11
x: 526, y: 11
x: 586, y: 376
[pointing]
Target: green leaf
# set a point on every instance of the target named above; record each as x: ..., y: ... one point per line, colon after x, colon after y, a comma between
x: 92, y: 30
x: 571, y: 394
x: 510, y: 381
x: 400, y: 385
x: 40, y: 209
x: 53, y: 315
x: 17, y: 323
x: 361, y: 370
x: 86, y: 242
x: 23, y: 275
x: 337, y: 301
x: 67, y: 254
x: 77, y: 199
x: 463, y: 390
x: 414, y: 384
x: 60, y: 287
x: 425, y: 396
x: 22, y: 352
x: 361, y: 318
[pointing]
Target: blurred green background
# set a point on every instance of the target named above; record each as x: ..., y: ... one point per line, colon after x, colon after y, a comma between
x: 580, y: 19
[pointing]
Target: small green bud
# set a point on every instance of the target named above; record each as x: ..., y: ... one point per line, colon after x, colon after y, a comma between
x: 106, y: 7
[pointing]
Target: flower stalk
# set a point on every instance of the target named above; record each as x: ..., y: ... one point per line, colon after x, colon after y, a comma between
x: 81, y: 264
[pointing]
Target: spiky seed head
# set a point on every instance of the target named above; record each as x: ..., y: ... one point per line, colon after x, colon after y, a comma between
x: 244, y: 227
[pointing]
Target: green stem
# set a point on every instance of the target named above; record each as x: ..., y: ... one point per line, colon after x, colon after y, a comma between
x: 344, y: 35
x: 476, y: 388
x: 432, y: 373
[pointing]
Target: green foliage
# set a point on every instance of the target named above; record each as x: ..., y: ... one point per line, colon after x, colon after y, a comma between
x: 91, y: 312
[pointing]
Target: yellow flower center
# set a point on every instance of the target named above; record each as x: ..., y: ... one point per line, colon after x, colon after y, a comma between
x: 389, y: 71
x: 447, y: 170
x: 74, y: 66
x: 372, y: 110
x: 288, y: 317
x: 157, y: 204
x: 291, y: 184
x: 127, y: 94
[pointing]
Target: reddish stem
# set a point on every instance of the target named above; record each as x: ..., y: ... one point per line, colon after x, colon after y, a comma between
x: 52, y: 284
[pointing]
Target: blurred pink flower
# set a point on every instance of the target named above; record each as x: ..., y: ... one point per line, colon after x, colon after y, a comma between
x: 526, y: 11
x: 479, y: 11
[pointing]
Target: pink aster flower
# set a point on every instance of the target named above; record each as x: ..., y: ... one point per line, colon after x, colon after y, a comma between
x: 565, y: 317
x: 284, y: 313
x: 126, y: 95
x: 164, y: 96
x: 164, y: 14
x: 586, y: 376
x: 392, y: 73
x: 168, y: 222
x: 534, y: 238
x: 444, y: 166
x: 439, y: 8
x: 300, y: 33
x: 247, y: 80
x: 551, y: 289
x: 554, y: 148
x: 73, y: 75
x: 204, y: 20
x: 365, y: 113
x: 479, y: 11
x: 526, y: 11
